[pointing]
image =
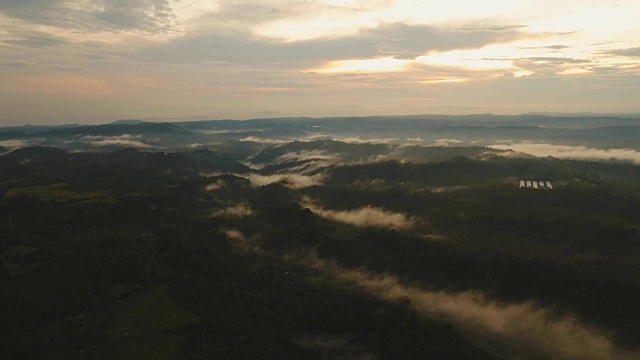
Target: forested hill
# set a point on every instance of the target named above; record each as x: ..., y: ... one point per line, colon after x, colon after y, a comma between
x: 316, y: 250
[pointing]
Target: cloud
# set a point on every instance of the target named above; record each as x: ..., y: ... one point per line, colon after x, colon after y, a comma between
x: 294, y: 181
x: 14, y: 64
x: 243, y: 47
x: 634, y: 52
x: 243, y: 243
x: 446, y: 142
x: 263, y: 140
x: 550, y: 65
x: 546, y: 47
x: 217, y: 185
x: 359, y: 140
x: 235, y: 234
x: 446, y: 189
x: 151, y: 16
x: 313, y: 160
x: 240, y: 15
x: 125, y: 140
x: 420, y: 39
x: 239, y: 210
x: 493, y: 28
x: 120, y: 142
x: 307, y: 155
x: 35, y: 39
x: 225, y: 60
x: 517, y: 330
x: 146, y: 15
x: 212, y: 174
x: 368, y: 216
x: 554, y: 60
x: 13, y: 144
x: 414, y: 140
x: 311, y: 167
x: 570, y: 152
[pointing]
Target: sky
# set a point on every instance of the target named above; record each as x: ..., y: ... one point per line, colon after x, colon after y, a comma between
x: 96, y: 61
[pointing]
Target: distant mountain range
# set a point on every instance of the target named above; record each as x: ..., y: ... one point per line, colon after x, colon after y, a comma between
x: 592, y: 130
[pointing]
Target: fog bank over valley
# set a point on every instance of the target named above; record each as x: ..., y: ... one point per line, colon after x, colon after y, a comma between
x: 382, y: 237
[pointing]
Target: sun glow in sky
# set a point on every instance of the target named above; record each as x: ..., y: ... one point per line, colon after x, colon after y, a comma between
x: 383, y: 64
x: 94, y: 61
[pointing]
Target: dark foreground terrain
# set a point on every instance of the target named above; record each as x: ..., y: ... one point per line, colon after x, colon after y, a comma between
x: 316, y: 249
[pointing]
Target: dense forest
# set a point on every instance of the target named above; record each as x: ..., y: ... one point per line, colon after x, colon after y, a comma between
x: 320, y: 249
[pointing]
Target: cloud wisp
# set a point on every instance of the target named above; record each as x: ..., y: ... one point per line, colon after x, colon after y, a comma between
x: 522, y: 330
x: 360, y: 140
x: 243, y: 243
x: 13, y: 144
x: 312, y: 161
x: 260, y: 140
x: 516, y: 330
x: 292, y: 180
x: 446, y: 142
x: 238, y: 210
x: 570, y: 152
x: 367, y: 216
x: 125, y: 140
x: 307, y: 155
x: 217, y: 185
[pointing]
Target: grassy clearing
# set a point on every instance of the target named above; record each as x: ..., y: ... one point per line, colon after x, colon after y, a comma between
x: 144, y: 325
x: 59, y: 193
x: 15, y: 260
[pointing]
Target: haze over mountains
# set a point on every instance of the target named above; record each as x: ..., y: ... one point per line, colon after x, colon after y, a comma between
x: 373, y: 237
x: 478, y: 130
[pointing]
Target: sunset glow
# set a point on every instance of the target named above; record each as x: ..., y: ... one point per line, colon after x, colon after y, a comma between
x: 290, y: 56
x: 367, y: 65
